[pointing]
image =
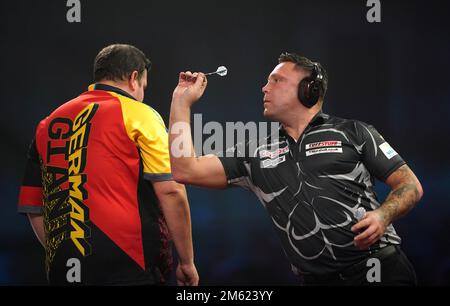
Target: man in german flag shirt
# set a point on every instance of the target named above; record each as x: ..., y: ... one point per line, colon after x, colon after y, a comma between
x: 98, y: 188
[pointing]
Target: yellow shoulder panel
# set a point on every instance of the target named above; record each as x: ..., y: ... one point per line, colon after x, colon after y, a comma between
x: 147, y: 130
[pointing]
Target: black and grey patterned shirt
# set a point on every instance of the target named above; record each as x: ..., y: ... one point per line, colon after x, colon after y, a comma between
x: 312, y: 188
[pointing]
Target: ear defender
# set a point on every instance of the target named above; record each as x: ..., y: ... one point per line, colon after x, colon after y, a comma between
x: 309, y: 88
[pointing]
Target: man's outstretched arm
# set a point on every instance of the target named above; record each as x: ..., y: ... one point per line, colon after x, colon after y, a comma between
x: 204, y: 171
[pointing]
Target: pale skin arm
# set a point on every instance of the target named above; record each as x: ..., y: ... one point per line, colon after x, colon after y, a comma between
x: 204, y: 171
x: 406, y: 192
x: 37, y: 223
x: 174, y: 204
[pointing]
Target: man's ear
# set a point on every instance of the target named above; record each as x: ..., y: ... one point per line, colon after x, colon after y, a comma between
x: 133, y: 80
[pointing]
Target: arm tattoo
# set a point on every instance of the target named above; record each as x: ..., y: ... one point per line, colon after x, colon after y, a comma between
x: 402, y: 199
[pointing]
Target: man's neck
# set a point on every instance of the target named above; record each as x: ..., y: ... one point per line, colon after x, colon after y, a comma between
x: 119, y: 85
x: 296, y: 124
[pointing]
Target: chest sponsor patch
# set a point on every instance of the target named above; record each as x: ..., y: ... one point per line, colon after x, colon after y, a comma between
x: 388, y: 151
x: 274, y: 153
x: 321, y: 144
x: 323, y: 150
x: 272, y: 163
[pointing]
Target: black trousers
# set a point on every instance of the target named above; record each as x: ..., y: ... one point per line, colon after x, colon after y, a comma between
x: 395, y: 270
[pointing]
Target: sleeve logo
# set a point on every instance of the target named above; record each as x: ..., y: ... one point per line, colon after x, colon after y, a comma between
x: 387, y: 150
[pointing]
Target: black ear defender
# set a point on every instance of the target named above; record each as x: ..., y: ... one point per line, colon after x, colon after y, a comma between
x: 309, y: 88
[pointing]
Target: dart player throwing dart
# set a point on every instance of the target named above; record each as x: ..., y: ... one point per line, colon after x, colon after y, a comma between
x: 313, y: 185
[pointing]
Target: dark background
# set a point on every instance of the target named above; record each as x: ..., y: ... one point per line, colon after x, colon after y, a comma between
x: 393, y: 74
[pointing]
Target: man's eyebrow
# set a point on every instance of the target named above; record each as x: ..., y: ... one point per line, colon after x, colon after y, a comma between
x: 275, y: 75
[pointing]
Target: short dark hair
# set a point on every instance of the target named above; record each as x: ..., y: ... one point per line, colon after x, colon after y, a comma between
x: 117, y: 62
x: 307, y: 65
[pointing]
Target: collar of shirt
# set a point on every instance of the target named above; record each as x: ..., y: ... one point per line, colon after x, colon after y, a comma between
x: 318, y: 119
x: 99, y: 86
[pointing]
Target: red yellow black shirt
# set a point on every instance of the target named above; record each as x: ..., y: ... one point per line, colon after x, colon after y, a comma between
x: 88, y: 173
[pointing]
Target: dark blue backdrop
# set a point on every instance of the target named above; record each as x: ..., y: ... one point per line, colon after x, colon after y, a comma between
x: 393, y: 74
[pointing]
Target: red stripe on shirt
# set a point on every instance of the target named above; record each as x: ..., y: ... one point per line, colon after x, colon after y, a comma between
x: 30, y: 196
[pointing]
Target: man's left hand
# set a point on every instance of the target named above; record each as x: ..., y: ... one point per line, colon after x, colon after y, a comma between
x: 374, y: 225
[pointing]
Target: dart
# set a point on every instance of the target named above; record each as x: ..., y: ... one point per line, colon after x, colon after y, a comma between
x: 222, y: 71
x: 359, y: 213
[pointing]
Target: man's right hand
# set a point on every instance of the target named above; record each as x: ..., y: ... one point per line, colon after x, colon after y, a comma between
x: 204, y: 171
x: 190, y: 88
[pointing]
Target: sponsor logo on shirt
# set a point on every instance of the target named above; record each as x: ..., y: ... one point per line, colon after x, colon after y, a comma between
x: 328, y: 146
x: 273, y: 154
x: 388, y: 151
x: 328, y: 143
x: 323, y: 150
x: 273, y: 157
x: 272, y: 163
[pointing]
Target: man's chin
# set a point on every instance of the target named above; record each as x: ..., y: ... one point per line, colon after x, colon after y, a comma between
x: 268, y: 115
